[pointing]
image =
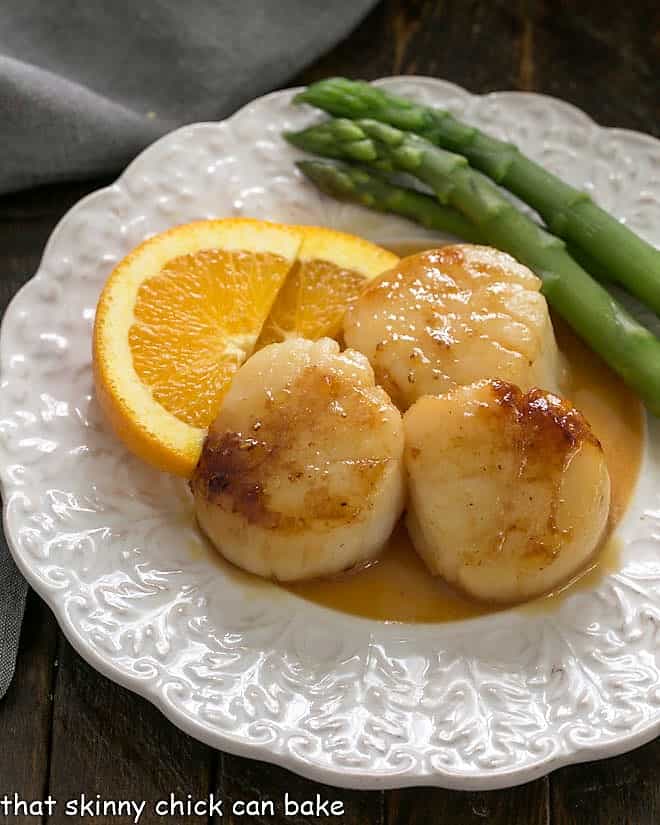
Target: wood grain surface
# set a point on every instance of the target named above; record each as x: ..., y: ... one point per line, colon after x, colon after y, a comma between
x: 65, y: 729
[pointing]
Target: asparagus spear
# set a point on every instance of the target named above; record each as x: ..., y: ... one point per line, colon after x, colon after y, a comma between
x: 360, y: 185
x: 628, y: 347
x: 617, y: 252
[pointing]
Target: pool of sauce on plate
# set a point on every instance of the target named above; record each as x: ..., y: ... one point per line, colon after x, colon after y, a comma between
x: 397, y: 587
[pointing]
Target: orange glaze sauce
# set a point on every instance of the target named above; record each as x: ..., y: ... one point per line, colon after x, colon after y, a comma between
x: 397, y: 586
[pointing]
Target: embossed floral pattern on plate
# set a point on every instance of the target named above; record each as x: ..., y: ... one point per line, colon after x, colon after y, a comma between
x: 111, y: 546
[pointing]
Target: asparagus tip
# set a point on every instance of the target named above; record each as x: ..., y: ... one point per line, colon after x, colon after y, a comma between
x: 306, y: 166
x: 291, y: 137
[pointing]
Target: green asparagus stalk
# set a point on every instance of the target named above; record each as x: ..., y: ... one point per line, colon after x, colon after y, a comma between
x: 627, y: 346
x: 618, y: 253
x: 359, y: 185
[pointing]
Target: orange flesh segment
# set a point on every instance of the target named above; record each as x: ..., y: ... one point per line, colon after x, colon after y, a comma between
x: 197, y: 321
x: 312, y: 302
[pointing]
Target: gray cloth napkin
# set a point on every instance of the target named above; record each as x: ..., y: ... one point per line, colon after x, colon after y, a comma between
x: 13, y: 590
x: 85, y: 85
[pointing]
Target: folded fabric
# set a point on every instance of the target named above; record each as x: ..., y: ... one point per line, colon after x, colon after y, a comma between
x: 13, y: 590
x: 85, y: 86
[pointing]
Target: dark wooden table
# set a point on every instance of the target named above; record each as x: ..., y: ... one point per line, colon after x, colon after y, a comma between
x: 64, y: 729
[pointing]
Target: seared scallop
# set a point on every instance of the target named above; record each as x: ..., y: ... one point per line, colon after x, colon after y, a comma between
x: 452, y: 316
x: 301, y: 474
x: 509, y: 491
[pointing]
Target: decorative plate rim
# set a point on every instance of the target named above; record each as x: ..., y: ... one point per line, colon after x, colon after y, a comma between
x: 437, y: 775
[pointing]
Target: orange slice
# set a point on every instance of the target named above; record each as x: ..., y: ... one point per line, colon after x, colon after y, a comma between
x: 175, y: 320
x: 330, y: 272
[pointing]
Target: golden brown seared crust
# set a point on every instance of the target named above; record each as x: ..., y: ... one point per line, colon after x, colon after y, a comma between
x: 458, y: 261
x: 472, y: 259
x: 547, y: 432
x: 451, y: 255
x: 228, y: 470
x: 237, y: 470
x: 545, y: 419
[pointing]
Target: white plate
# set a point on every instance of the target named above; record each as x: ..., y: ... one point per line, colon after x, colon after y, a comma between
x: 111, y: 547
